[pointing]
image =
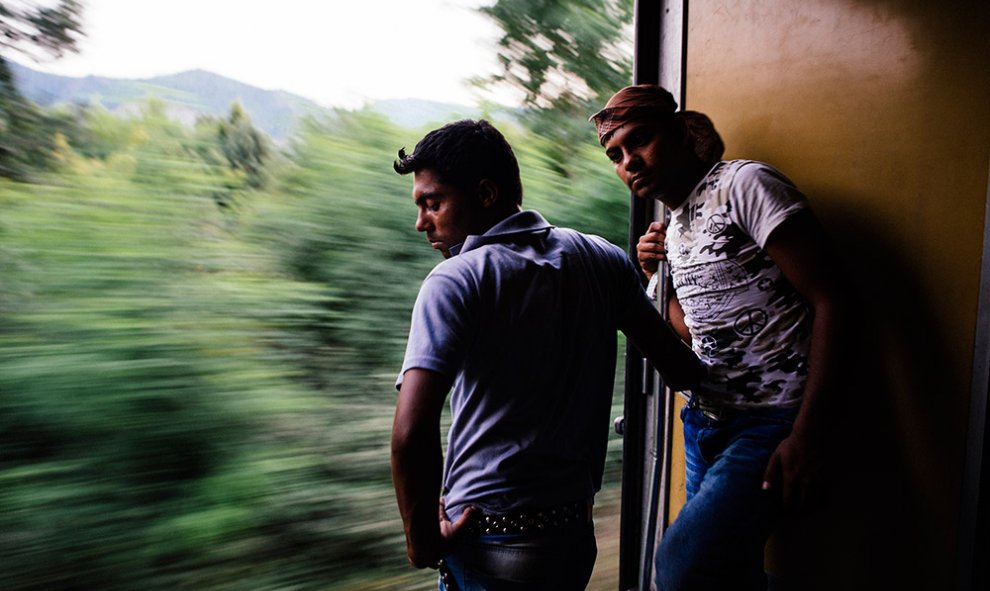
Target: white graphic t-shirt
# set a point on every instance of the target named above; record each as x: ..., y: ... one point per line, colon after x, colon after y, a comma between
x: 747, y: 323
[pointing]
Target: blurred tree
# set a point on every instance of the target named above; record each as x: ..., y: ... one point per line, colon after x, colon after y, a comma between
x: 22, y: 144
x: 91, y: 130
x: 52, y: 29
x: 25, y: 140
x: 244, y: 147
x: 346, y: 223
x: 563, y: 52
x: 566, y: 57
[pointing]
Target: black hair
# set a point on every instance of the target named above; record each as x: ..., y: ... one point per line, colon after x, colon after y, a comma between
x: 464, y: 153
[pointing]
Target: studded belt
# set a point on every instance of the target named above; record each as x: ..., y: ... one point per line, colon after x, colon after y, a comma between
x: 534, y: 521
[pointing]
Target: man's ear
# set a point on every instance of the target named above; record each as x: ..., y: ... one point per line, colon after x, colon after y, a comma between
x: 487, y: 193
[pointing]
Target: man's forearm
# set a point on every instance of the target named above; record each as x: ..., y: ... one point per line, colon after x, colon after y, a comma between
x: 678, y: 365
x: 417, y: 462
x: 822, y: 369
x: 416, y: 473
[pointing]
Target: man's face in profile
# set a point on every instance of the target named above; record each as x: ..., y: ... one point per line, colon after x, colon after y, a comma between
x: 446, y: 214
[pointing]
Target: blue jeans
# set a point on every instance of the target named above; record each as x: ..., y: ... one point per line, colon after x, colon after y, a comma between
x: 523, y: 563
x: 718, y: 538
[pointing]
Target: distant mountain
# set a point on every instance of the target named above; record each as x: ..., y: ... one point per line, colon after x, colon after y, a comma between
x: 188, y: 95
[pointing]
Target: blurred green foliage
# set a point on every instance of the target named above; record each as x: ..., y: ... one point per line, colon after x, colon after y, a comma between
x: 197, y: 367
x: 30, y: 29
x: 46, y: 27
x: 559, y: 53
x: 565, y: 58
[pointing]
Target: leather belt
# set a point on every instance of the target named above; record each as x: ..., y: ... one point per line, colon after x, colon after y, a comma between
x: 535, y: 521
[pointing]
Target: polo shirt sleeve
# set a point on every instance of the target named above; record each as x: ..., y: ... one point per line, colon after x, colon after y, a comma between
x: 762, y: 198
x: 439, y: 330
x: 627, y: 288
x: 634, y: 295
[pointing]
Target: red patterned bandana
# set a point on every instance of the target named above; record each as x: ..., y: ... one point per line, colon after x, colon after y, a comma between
x: 642, y: 101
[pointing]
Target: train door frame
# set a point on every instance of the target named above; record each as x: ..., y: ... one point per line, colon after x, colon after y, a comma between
x: 974, y: 537
x: 659, y: 58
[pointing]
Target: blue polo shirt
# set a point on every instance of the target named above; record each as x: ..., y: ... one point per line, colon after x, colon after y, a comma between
x: 524, y: 319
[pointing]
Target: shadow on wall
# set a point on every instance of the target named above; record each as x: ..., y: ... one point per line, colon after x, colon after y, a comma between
x: 890, y: 501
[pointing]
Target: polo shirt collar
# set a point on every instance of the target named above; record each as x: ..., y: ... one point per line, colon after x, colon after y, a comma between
x: 508, y: 230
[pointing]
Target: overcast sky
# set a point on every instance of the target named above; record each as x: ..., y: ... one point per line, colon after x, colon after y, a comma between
x: 335, y: 52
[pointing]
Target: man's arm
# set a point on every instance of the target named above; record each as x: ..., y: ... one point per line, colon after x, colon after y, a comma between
x: 651, y: 251
x: 678, y: 365
x: 417, y: 464
x: 800, y: 249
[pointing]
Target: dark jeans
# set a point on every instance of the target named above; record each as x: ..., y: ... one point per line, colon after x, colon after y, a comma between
x: 718, y: 538
x: 561, y: 561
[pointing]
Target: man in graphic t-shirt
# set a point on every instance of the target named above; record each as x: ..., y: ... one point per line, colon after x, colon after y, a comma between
x: 755, y: 292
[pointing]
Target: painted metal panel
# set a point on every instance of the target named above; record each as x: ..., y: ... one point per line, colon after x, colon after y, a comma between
x: 880, y: 112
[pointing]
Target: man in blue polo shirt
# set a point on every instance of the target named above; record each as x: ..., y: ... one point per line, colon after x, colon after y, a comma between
x: 520, y: 320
